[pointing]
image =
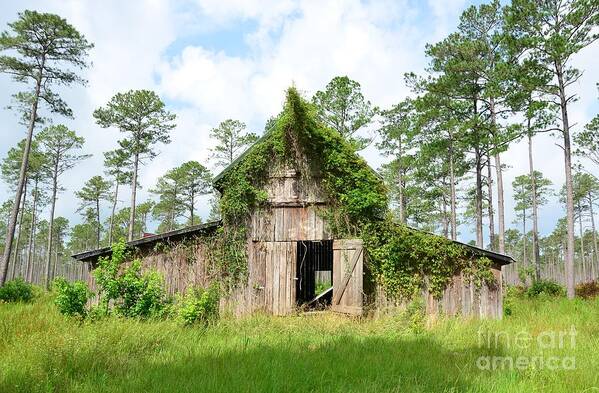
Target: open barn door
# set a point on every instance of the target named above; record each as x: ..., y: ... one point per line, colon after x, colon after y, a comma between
x: 348, y: 269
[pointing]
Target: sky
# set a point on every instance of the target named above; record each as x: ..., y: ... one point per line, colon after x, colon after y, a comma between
x: 211, y: 60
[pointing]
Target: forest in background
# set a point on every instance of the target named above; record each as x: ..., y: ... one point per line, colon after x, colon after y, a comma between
x: 504, y: 76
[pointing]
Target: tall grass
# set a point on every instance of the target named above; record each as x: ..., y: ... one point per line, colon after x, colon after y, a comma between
x: 42, y: 351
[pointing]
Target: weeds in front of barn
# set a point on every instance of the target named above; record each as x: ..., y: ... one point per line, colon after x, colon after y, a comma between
x: 43, y: 351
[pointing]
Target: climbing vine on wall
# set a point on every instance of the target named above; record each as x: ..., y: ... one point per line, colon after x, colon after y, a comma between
x: 400, y: 258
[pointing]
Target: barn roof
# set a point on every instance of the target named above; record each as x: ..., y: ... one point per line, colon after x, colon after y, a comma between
x: 175, y: 235
x: 191, y: 231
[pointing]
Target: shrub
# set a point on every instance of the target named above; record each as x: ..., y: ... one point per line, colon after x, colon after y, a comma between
x: 16, y: 290
x: 587, y: 290
x: 199, y: 305
x: 140, y: 295
x: 414, y: 315
x: 512, y: 293
x: 545, y: 287
x: 71, y: 297
x: 128, y: 292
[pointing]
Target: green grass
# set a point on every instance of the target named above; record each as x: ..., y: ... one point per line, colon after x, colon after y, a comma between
x: 42, y: 351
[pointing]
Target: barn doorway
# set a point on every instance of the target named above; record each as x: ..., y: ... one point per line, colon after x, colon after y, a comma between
x: 314, y: 281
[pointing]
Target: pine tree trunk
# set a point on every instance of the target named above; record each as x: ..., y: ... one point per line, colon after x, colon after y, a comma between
x: 479, y: 201
x: 500, y: 197
x: 16, y: 257
x: 500, y: 205
x: 570, y: 279
x: 191, y: 208
x: 116, y: 195
x: 400, y: 190
x: 445, y: 221
x: 536, y: 254
x: 595, y: 248
x: 490, y: 207
x: 524, y: 255
x: 51, y: 227
x: 10, y: 233
x: 133, y: 195
x: 453, y: 207
x: 582, y: 256
x: 30, y: 246
x: 98, y: 223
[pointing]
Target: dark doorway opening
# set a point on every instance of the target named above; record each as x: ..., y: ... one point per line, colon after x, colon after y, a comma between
x: 314, y: 281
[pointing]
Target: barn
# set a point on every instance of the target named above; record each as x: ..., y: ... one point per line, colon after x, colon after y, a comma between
x: 305, y: 224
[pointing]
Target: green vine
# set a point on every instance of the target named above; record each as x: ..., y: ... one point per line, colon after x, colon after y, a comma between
x: 400, y: 258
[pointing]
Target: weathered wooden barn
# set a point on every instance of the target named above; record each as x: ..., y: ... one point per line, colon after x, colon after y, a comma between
x: 293, y: 257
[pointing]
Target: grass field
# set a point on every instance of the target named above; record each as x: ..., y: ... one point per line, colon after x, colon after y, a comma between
x: 42, y: 351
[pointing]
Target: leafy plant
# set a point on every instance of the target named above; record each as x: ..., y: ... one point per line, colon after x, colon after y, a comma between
x: 547, y: 288
x: 16, y: 290
x: 199, y: 305
x: 415, y: 315
x: 141, y: 295
x: 71, y: 297
x: 128, y: 292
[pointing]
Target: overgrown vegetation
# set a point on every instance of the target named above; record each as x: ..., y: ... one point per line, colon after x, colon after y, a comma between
x: 199, y: 305
x: 16, y: 290
x: 540, y: 289
x: 126, y: 291
x: 587, y: 290
x: 71, y: 297
x: 401, y: 258
x: 546, y: 288
x: 40, y: 351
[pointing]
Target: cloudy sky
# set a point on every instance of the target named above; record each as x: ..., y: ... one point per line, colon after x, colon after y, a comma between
x: 216, y: 59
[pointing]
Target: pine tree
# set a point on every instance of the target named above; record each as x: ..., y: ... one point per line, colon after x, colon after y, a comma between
x: 91, y: 194
x: 231, y: 140
x: 553, y: 32
x: 43, y: 51
x: 142, y: 115
x: 59, y: 144
x: 343, y: 107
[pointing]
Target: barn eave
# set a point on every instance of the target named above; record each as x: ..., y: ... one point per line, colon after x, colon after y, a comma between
x: 175, y: 235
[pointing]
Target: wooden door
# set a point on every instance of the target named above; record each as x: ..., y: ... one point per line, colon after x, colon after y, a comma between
x: 348, y: 271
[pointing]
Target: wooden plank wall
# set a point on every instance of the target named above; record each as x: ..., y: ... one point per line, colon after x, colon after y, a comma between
x: 462, y: 298
x: 271, y: 280
x: 290, y: 214
x: 344, y: 254
x: 459, y: 298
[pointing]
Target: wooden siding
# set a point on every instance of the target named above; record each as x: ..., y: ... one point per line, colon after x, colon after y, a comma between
x: 463, y: 298
x: 348, y: 276
x: 271, y: 280
x: 283, y: 224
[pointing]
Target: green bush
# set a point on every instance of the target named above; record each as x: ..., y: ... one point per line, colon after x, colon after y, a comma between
x: 16, y: 290
x: 512, y: 294
x: 545, y: 287
x: 140, y: 295
x: 128, y: 292
x: 587, y: 290
x: 199, y: 305
x: 71, y: 297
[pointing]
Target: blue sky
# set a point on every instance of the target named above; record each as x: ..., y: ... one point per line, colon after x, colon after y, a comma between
x: 211, y: 60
